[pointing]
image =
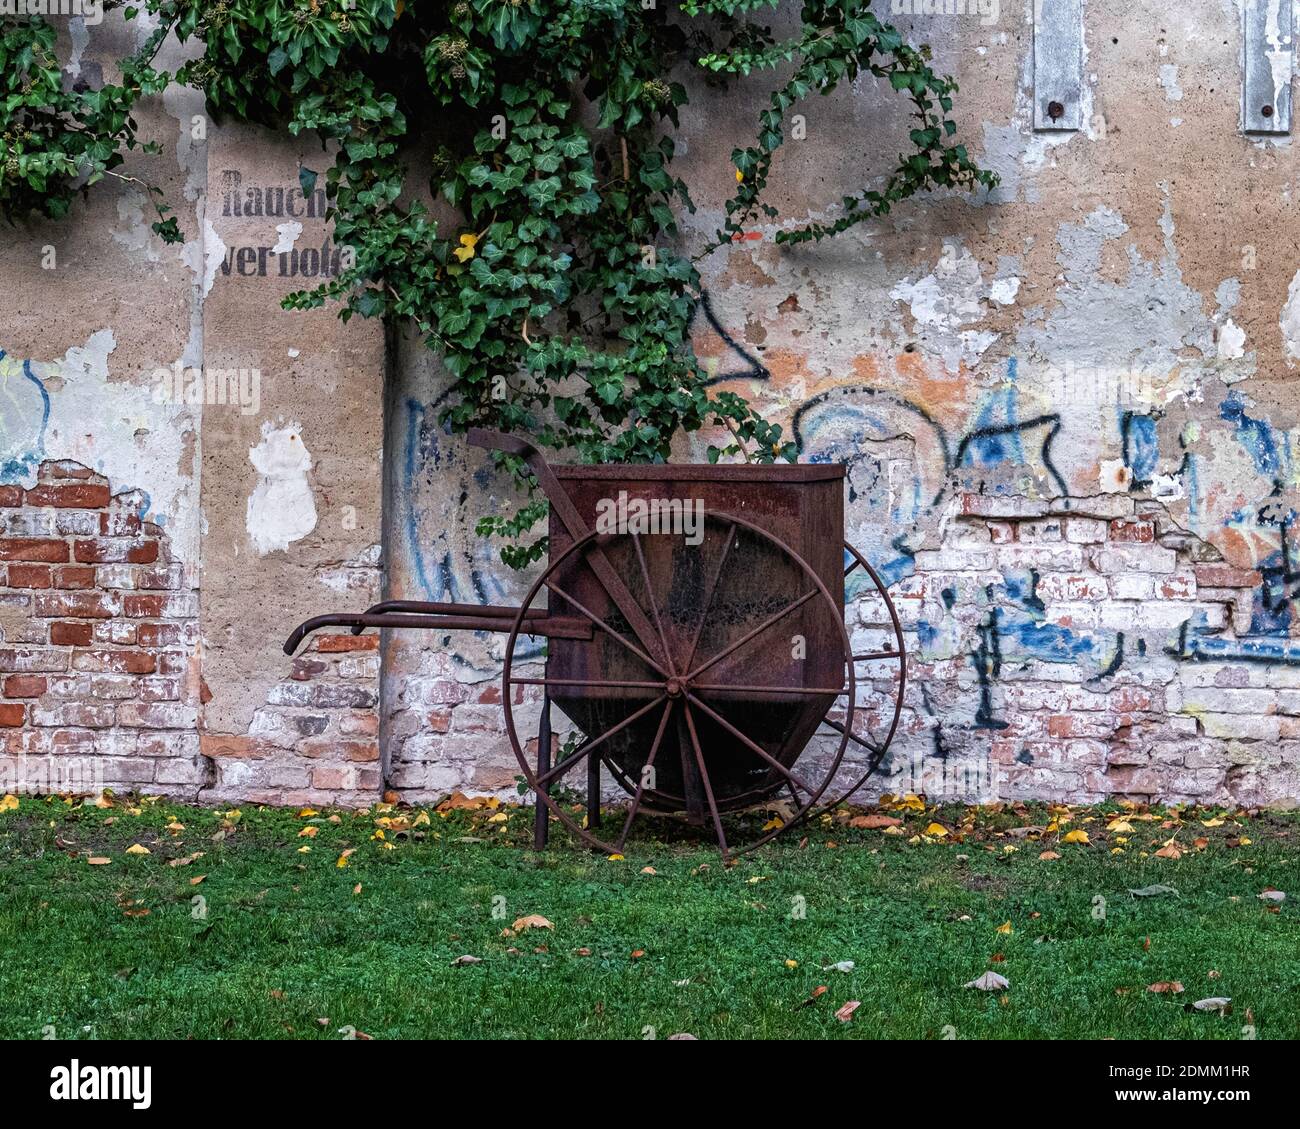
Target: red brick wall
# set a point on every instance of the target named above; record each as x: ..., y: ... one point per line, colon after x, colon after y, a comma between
x: 98, y: 678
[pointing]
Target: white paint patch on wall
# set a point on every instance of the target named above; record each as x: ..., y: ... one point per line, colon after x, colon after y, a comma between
x: 1290, y: 321
x: 281, y: 508
x: 1232, y: 341
x: 1169, y: 80
x: 289, y: 233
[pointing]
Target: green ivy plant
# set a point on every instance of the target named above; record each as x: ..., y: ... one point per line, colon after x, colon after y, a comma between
x: 501, y: 174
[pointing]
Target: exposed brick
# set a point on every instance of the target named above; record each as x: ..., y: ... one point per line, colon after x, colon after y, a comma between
x: 74, y: 605
x: 11, y: 495
x: 115, y: 662
x: 29, y: 576
x: 116, y: 550
x: 1143, y: 532
x: 332, y: 644
x: 12, y: 714
x: 74, y: 577
x: 157, y: 715
x: 1225, y: 576
x: 80, y: 634
x: 159, y: 634
x: 237, y: 746
x: 24, y: 686
x: 76, y: 496
x: 29, y: 661
x: 144, y: 607
x: 33, y: 549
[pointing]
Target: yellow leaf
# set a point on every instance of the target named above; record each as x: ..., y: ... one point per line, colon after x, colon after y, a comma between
x: 739, y: 176
x: 500, y: 817
x: 911, y: 802
x: 378, y: 835
x: 343, y: 858
x: 421, y: 820
x: 1244, y: 841
x: 614, y: 857
x: 1075, y: 837
x: 136, y: 849
x: 308, y: 832
x: 307, y: 813
x: 792, y: 964
x: 1211, y: 823
x: 893, y: 831
x: 532, y: 921
x: 773, y: 824
x: 465, y: 251
x: 99, y: 861
x: 1120, y: 825
x: 9, y: 803
x: 174, y: 826
x: 1005, y: 927
x: 234, y: 815
x: 936, y: 829
x: 304, y: 850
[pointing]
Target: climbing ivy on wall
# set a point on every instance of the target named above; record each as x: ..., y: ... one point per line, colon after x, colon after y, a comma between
x: 500, y: 172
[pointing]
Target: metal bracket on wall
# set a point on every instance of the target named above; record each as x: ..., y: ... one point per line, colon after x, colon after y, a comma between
x: 1268, y: 62
x: 1058, y: 64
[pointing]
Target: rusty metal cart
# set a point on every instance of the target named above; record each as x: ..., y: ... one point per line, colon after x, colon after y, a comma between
x: 698, y: 663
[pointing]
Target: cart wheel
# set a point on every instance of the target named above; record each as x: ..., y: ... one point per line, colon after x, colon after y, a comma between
x: 883, y: 669
x: 713, y: 676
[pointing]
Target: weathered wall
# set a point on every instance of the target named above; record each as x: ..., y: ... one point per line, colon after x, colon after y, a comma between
x: 1065, y: 406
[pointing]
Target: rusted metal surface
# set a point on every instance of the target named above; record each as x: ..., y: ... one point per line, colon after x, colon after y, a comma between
x: 697, y: 659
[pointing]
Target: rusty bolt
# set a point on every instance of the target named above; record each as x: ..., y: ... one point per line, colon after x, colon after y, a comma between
x: 1055, y: 110
x: 1267, y: 111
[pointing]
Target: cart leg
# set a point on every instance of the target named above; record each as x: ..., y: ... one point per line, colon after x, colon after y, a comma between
x: 593, y: 791
x: 541, y: 813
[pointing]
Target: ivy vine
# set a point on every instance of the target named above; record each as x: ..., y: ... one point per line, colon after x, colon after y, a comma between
x: 501, y: 174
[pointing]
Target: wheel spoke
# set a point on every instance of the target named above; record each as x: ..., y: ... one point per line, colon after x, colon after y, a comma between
x: 788, y: 773
x: 853, y: 736
x: 751, y: 634
x: 654, y: 604
x: 803, y: 691
x: 649, y: 763
x: 605, y: 627
x: 713, y: 591
x: 704, y: 778
x: 610, y: 683
x: 867, y: 656
x: 585, y: 750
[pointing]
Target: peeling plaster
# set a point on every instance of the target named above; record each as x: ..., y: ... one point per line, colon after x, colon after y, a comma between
x: 289, y: 233
x: 1290, y: 321
x: 948, y: 299
x: 281, y: 509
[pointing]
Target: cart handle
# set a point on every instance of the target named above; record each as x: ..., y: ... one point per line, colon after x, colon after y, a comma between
x: 563, y: 506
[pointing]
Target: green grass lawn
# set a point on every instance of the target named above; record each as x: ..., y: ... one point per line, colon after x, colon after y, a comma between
x: 295, y: 945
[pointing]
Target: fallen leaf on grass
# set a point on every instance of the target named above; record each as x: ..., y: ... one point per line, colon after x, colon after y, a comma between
x: 873, y: 822
x: 197, y: 879
x: 137, y: 849
x: 1078, y: 836
x: 817, y: 993
x: 840, y: 966
x: 1154, y: 891
x: 845, y: 1013
x: 175, y: 826
x: 1120, y: 826
x: 1048, y: 856
x: 583, y: 952
x: 1169, y: 851
x: 936, y: 830
x: 637, y: 954
x: 466, y: 959
x: 357, y: 888
x: 532, y: 921
x: 309, y: 832
x: 9, y: 803
x: 1271, y: 895
x: 1005, y: 927
x: 185, y: 860
x: 1169, y: 986
x: 99, y: 860
x: 1221, y: 1004
x: 649, y: 870
x: 989, y: 982
x: 343, y: 858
